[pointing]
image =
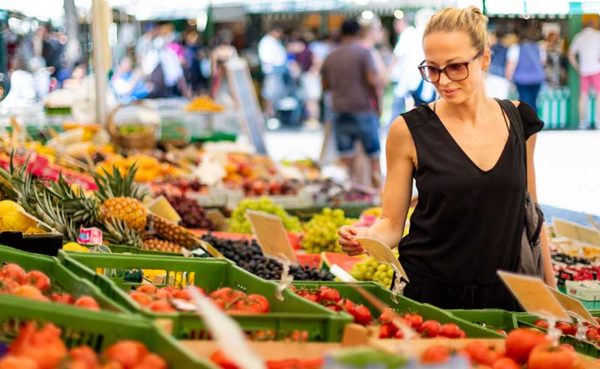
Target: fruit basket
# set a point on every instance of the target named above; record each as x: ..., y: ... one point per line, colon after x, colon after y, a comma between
x: 60, y: 276
x: 134, y: 126
x: 287, y: 318
x: 96, y: 329
x: 585, y: 347
x: 399, y: 304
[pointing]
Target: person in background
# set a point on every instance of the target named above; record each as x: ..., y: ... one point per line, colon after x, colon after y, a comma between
x: 192, y: 62
x: 127, y: 83
x: 350, y: 73
x: 525, y: 67
x: 408, y: 42
x: 496, y: 83
x: 470, y: 171
x: 273, y: 59
x: 370, y: 37
x: 77, y: 76
x: 221, y: 54
x: 584, y: 55
x: 22, y: 83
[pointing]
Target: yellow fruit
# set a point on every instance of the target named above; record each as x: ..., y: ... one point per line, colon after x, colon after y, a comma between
x: 126, y: 209
x: 16, y: 221
x: 34, y: 230
x: 8, y: 206
x: 74, y: 246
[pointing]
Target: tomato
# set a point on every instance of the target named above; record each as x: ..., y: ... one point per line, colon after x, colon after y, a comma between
x: 362, y: 315
x: 127, y: 353
x: 502, y: 332
x: 43, y: 346
x: 329, y: 294
x: 8, y: 285
x: 152, y: 361
x: 147, y: 288
x: 182, y: 294
x: 436, y: 354
x: 415, y: 320
x: 545, y: 356
x: 450, y: 330
x: 480, y: 353
x: 348, y: 306
x: 261, y: 301
x: 592, y: 334
x: 506, y: 363
x: 163, y: 294
x: 282, y: 364
x: 299, y: 336
x: 227, y: 294
x: 18, y: 362
x: 430, y: 328
x: 520, y: 342
x: 399, y: 334
x: 14, y: 272
x: 29, y: 292
x: 87, y: 302
x: 385, y: 331
x: 141, y: 298
x: 253, y: 304
x: 161, y: 306
x: 542, y: 324
x: 38, y: 279
x: 218, y: 357
x: 566, y: 328
x: 85, y: 355
x: 62, y: 298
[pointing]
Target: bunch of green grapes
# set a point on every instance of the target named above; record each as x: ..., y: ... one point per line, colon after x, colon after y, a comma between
x: 240, y: 224
x: 372, y: 270
x: 320, y: 233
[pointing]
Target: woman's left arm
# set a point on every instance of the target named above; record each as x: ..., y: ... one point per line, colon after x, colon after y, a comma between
x: 531, y: 186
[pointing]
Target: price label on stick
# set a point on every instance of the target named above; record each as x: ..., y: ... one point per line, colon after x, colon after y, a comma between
x: 271, y: 235
x: 340, y: 273
x: 573, y: 306
x: 382, y: 253
x: 534, y: 297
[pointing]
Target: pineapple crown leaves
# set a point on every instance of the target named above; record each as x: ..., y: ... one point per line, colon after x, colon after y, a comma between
x: 77, y: 205
x: 117, y: 184
x: 55, y: 216
x: 117, y: 232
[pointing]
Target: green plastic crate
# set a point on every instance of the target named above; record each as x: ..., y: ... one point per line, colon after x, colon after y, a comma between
x: 286, y: 317
x: 59, y: 275
x: 401, y: 304
x: 96, y: 329
x: 492, y: 319
x: 584, y: 347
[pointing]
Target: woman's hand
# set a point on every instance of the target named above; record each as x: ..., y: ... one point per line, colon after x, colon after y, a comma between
x: 348, y: 236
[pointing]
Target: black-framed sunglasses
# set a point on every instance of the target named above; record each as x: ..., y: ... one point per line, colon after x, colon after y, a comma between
x: 455, y: 71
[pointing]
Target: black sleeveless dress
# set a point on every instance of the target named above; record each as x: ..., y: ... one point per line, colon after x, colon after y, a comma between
x: 468, y: 222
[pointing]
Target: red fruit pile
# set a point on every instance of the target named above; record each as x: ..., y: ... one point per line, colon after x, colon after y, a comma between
x: 523, y: 346
x: 232, y: 301
x: 426, y: 328
x: 36, y: 285
x: 44, y: 349
x: 331, y: 299
x: 592, y: 333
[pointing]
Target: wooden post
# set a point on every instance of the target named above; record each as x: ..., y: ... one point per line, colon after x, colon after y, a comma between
x: 101, y: 20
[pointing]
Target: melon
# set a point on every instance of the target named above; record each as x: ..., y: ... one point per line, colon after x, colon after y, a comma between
x: 310, y: 260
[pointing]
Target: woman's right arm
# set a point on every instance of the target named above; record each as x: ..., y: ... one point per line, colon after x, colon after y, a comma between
x: 397, y: 192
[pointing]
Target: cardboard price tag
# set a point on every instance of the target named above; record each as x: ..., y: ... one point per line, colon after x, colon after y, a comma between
x: 271, y: 235
x: 577, y: 232
x: 573, y: 306
x: 534, y: 296
x: 340, y: 273
x: 382, y: 253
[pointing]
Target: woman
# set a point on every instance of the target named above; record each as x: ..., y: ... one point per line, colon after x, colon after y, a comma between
x: 470, y: 175
x: 525, y: 67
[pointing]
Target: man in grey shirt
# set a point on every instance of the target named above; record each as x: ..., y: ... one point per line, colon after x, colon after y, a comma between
x: 349, y: 72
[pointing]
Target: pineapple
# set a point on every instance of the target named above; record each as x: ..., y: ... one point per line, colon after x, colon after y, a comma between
x: 120, y: 198
x: 116, y: 232
x: 173, y: 232
x: 155, y: 244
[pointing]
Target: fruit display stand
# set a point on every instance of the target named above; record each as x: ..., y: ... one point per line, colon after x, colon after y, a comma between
x: 97, y: 329
x: 60, y: 276
x: 291, y: 315
x: 45, y: 244
x: 401, y: 305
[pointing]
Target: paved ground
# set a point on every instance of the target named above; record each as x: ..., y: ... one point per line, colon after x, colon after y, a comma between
x: 567, y: 163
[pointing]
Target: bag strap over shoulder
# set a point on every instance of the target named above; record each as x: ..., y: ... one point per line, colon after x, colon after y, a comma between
x: 515, y: 119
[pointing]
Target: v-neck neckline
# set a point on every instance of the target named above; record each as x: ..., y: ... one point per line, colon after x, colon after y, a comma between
x: 464, y: 153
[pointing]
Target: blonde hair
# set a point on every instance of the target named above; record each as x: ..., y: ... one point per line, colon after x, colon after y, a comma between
x: 470, y: 20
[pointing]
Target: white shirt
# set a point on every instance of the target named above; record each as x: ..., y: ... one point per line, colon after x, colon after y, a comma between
x: 409, y: 54
x: 587, y: 45
x: 271, y: 53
